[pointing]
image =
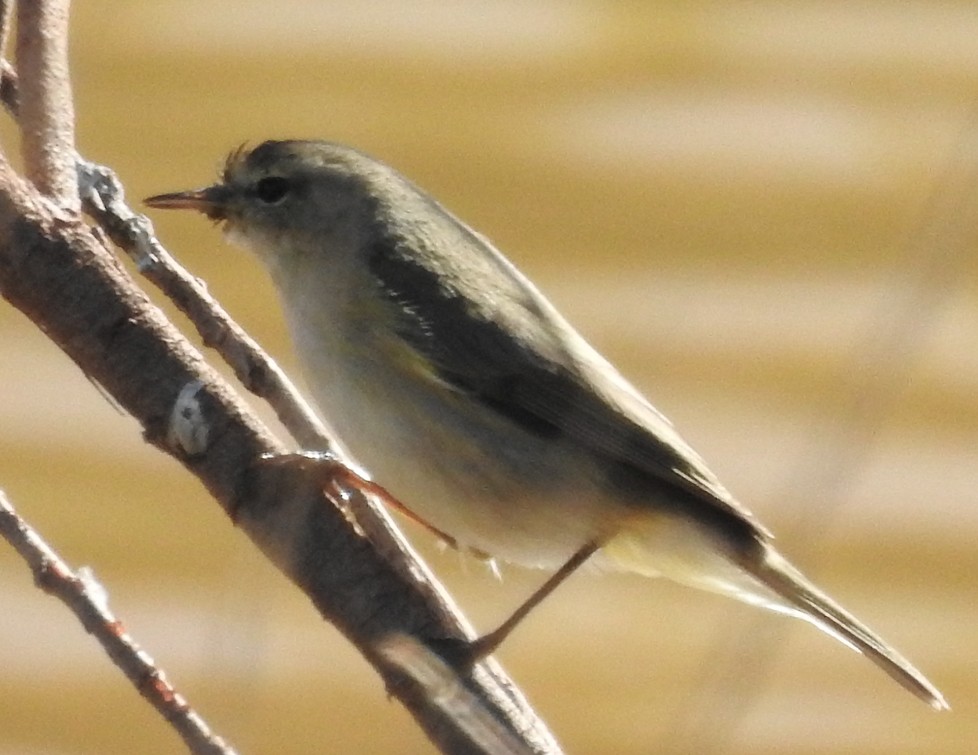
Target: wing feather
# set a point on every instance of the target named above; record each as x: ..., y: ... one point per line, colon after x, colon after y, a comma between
x: 504, y: 345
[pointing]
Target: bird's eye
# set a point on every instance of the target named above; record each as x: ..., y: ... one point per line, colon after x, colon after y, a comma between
x: 272, y: 189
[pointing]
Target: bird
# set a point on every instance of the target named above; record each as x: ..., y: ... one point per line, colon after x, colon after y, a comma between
x: 467, y: 395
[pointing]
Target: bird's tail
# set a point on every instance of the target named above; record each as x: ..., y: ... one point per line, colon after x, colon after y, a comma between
x: 806, y: 601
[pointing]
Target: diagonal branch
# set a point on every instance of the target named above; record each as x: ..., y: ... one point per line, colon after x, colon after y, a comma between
x: 86, y: 599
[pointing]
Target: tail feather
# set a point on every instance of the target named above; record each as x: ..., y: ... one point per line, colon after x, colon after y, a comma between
x: 778, y: 575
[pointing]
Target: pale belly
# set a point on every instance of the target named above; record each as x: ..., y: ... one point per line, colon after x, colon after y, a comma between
x: 478, y: 477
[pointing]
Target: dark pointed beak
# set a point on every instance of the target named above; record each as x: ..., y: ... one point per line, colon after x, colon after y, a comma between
x: 212, y: 201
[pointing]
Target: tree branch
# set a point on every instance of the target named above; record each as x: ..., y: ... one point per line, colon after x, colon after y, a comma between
x: 47, y: 116
x: 87, y: 600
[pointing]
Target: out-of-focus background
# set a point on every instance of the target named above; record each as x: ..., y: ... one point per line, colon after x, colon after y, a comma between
x: 758, y: 211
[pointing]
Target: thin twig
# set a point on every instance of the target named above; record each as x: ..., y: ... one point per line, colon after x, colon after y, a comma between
x: 47, y: 117
x: 103, y: 200
x: 87, y: 600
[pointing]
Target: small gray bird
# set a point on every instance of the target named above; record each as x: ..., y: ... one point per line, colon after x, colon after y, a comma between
x: 469, y: 397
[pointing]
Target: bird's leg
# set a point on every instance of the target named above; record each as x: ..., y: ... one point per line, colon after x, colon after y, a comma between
x: 331, y: 472
x: 461, y: 654
x: 478, y: 649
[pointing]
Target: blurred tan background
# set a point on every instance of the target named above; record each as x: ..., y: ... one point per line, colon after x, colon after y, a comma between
x: 723, y: 197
